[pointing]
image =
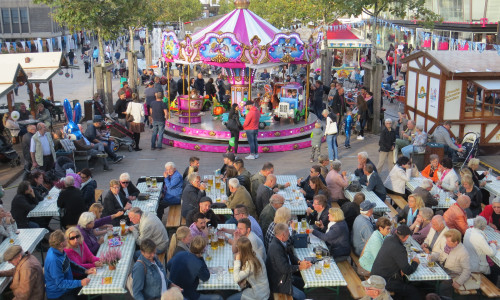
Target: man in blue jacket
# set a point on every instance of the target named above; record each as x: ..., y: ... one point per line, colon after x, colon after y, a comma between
x: 172, y: 188
x: 188, y: 268
x: 374, y: 182
x: 58, y: 270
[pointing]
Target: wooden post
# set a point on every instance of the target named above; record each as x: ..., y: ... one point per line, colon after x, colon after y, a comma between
x: 51, y: 91
x: 32, y: 100
x: 189, y: 83
x: 249, y: 84
x: 10, y: 101
x: 307, y: 91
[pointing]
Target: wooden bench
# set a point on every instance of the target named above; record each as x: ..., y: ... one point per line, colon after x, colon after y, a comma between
x: 355, y: 262
x: 488, y: 288
x: 353, y: 281
x: 475, y: 276
x: 393, y: 211
x: 174, y: 216
x: 277, y: 296
x: 98, y: 194
x: 400, y: 201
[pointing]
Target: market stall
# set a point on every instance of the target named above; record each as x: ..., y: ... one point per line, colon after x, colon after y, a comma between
x: 460, y: 86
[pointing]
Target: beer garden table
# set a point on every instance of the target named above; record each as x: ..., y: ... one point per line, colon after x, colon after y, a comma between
x: 369, y: 196
x: 494, y: 186
x: 220, y: 278
x: 444, y: 201
x: 119, y: 276
x: 150, y: 205
x: 491, y: 235
x: 423, y: 272
x: 47, y: 207
x: 28, y: 239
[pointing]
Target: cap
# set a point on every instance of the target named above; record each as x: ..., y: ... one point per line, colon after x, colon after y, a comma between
x: 374, y: 281
x: 403, y: 230
x: 12, y: 252
x: 367, y: 205
x: 229, y: 156
x: 238, y: 160
x: 249, y: 102
x: 206, y: 199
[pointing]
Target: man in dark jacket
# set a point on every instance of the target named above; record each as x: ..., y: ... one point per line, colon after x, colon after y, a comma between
x: 386, y: 143
x: 319, y: 214
x: 71, y: 200
x: 113, y: 202
x: 264, y: 193
x: 267, y: 215
x: 374, y: 182
x: 205, y: 209
x: 199, y: 84
x: 182, y: 85
x: 243, y: 174
x: 281, y: 265
x: 192, y: 194
x: 26, y: 146
x: 173, y: 88
x: 121, y: 108
x: 424, y: 191
x: 304, y: 184
x: 360, y: 171
x: 394, y: 266
x: 317, y: 104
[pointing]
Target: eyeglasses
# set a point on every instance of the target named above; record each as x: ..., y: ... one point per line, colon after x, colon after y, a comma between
x: 75, y: 237
x: 125, y: 182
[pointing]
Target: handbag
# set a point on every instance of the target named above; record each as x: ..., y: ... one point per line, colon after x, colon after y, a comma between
x: 473, y: 283
x: 331, y: 129
x: 129, y: 118
x: 300, y: 240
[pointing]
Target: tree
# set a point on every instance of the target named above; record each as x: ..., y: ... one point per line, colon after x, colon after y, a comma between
x: 183, y: 10
x: 225, y: 6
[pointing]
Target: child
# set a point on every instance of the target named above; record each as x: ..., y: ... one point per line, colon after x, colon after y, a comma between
x: 348, y: 127
x: 194, y: 94
x: 316, y: 136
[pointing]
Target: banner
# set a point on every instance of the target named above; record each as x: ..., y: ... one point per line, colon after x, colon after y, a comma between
x: 23, y: 43
x: 39, y: 45
x: 49, y: 45
x: 59, y: 43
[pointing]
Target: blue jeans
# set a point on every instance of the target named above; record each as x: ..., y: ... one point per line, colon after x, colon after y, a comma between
x: 407, y: 150
x: 210, y: 297
x: 158, y: 128
x: 236, y: 296
x: 347, y: 137
x: 297, y: 294
x: 252, y: 141
x: 331, y: 141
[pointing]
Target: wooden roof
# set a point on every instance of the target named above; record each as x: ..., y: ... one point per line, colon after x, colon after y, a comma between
x: 9, y: 76
x: 41, y: 66
x: 462, y: 63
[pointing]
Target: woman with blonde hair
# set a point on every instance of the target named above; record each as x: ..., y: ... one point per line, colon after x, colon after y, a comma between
x: 179, y: 242
x: 135, y: 109
x: 476, y: 198
x: 410, y: 212
x: 473, y: 166
x: 283, y: 215
x: 249, y: 271
x: 78, y: 252
x: 337, y: 235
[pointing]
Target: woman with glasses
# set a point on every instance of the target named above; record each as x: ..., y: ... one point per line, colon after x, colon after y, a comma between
x: 127, y: 188
x: 78, y: 252
x: 114, y: 202
x: 88, y: 187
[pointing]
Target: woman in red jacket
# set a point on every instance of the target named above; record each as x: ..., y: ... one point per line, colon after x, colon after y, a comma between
x: 492, y: 214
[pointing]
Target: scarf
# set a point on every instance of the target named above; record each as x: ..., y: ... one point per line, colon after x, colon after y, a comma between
x: 411, y: 216
x: 85, y: 183
x: 448, y: 249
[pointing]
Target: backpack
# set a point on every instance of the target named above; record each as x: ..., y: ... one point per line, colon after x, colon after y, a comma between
x: 354, y: 187
x: 130, y: 280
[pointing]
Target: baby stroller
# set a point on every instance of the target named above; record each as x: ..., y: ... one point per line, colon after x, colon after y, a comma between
x: 7, y: 154
x: 470, y: 143
x: 122, y: 136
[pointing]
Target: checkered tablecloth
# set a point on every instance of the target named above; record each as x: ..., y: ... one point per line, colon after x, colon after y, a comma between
x: 328, y: 277
x: 493, y: 186
x: 27, y: 239
x: 444, y: 202
x: 491, y: 235
x: 150, y: 205
x: 294, y: 199
x: 220, y: 259
x: 415, y: 182
x: 369, y: 196
x: 222, y: 211
x: 119, y: 276
x: 423, y: 272
x: 47, y: 207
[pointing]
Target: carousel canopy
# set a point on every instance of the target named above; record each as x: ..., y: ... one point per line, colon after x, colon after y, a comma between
x: 344, y: 38
x: 241, y: 39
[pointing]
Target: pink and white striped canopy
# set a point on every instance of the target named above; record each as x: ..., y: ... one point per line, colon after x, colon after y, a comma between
x: 244, y: 24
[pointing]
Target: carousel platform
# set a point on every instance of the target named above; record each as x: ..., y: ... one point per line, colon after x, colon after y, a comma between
x: 211, y: 135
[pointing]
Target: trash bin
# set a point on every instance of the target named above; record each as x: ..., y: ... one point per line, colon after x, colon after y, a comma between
x: 88, y: 110
x: 75, y: 102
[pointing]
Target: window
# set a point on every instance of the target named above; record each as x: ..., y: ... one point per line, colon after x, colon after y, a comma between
x: 15, y: 20
x: 481, y: 103
x: 6, y: 20
x: 25, y: 28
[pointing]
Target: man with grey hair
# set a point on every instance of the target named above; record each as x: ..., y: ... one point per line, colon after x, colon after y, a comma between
x: 127, y: 188
x: 148, y: 226
x: 435, y: 240
x: 267, y: 215
x: 478, y: 246
x: 324, y: 163
x: 386, y: 146
x: 441, y: 135
x: 26, y: 143
x: 424, y: 191
x: 405, y: 137
x: 192, y: 193
x: 42, y: 150
x: 363, y: 160
x: 264, y: 193
x: 240, y: 195
x: 172, y: 188
x: 422, y: 224
x: 71, y: 201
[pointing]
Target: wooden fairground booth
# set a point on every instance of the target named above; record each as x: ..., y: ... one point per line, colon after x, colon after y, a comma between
x: 460, y: 86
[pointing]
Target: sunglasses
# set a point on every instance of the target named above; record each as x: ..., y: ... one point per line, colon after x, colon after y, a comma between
x: 74, y: 237
x: 125, y: 182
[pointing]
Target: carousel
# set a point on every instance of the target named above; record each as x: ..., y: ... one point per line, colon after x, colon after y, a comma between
x: 240, y: 43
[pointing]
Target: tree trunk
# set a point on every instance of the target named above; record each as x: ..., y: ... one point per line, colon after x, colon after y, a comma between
x: 106, y: 97
x: 101, y: 47
x: 132, y: 63
x: 326, y: 64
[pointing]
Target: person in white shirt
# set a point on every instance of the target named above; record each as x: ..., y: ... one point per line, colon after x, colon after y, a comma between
x: 244, y: 228
x: 43, y: 154
x: 478, y: 246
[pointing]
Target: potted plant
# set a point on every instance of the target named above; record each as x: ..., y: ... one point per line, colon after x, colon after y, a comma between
x: 111, y: 258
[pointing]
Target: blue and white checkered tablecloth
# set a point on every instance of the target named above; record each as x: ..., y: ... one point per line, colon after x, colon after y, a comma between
x: 423, y: 272
x: 220, y: 260
x: 47, y: 207
x: 328, y: 277
x: 119, y: 276
x: 444, y: 201
x: 493, y: 186
x: 369, y: 196
x: 491, y: 235
x: 28, y: 239
x: 150, y: 205
x: 294, y: 199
